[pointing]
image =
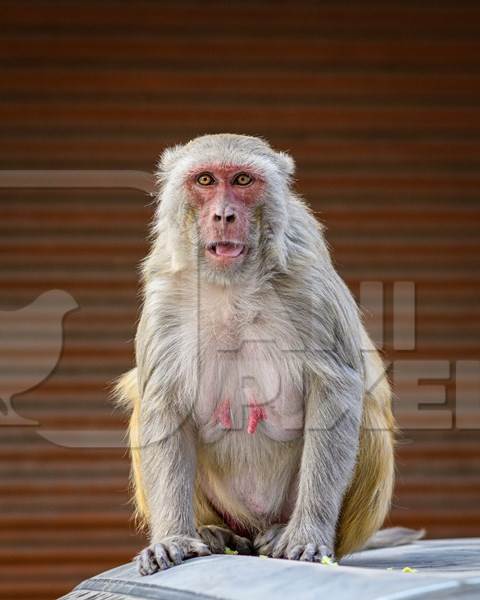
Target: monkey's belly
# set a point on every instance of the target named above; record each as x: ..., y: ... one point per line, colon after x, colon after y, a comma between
x: 260, y: 484
x: 257, y: 501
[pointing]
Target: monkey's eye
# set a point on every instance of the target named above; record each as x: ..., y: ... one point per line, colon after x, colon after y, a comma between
x: 243, y: 179
x: 205, y: 179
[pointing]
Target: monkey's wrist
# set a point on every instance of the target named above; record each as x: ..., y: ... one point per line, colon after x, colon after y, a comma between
x: 160, y: 534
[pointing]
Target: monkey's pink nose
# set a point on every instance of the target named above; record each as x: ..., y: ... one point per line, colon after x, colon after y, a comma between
x: 228, y: 216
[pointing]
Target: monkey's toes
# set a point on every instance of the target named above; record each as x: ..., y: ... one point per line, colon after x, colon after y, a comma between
x: 218, y: 538
x: 169, y: 552
x: 266, y: 541
x: 308, y: 552
x: 242, y: 545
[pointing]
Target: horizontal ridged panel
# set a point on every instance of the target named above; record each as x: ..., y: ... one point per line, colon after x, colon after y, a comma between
x: 378, y: 102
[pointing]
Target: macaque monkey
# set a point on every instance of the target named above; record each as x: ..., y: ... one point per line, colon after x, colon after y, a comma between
x: 261, y: 415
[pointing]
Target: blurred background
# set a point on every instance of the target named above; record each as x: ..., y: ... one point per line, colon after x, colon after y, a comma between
x: 379, y: 104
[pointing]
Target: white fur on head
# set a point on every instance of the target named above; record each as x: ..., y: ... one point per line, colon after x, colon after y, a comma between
x: 286, y: 162
x: 177, y: 161
x: 167, y: 159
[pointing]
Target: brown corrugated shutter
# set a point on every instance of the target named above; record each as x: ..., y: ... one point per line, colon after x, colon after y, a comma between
x: 378, y: 102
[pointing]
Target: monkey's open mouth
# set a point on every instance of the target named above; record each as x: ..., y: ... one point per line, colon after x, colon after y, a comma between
x: 226, y: 249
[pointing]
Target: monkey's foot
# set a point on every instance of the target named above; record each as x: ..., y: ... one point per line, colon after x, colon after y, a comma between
x: 169, y: 552
x: 218, y: 538
x: 266, y: 541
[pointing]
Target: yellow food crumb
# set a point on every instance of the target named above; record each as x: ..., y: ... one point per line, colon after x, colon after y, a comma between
x: 326, y: 560
x: 230, y: 551
x: 262, y: 556
x: 408, y: 570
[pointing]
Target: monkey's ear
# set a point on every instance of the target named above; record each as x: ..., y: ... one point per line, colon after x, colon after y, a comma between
x: 286, y: 162
x: 168, y: 158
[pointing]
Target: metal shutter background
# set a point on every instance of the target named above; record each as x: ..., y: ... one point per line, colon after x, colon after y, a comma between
x: 378, y: 103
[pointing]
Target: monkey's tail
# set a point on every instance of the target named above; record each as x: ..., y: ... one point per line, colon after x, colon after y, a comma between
x: 393, y: 536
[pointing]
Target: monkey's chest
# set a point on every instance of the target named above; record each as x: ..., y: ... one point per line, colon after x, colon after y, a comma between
x: 255, y: 388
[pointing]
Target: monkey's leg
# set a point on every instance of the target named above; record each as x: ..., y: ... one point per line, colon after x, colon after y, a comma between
x: 168, y: 461
x: 218, y: 538
x: 331, y: 435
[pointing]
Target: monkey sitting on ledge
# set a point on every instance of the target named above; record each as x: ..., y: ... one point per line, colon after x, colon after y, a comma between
x: 261, y: 416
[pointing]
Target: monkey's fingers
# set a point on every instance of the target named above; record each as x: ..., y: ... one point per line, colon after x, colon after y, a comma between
x: 169, y: 552
x: 152, y: 559
x: 193, y: 547
x: 146, y: 563
x: 162, y: 557
x: 176, y: 553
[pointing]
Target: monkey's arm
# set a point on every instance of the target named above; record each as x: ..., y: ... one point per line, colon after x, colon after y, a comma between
x: 167, y: 458
x: 331, y: 437
x: 168, y: 468
x: 167, y: 444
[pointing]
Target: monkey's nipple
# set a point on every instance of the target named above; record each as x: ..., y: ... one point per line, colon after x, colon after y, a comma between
x: 222, y: 415
x: 255, y: 415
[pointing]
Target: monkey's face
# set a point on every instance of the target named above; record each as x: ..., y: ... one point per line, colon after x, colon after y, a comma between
x: 225, y: 200
x: 224, y: 207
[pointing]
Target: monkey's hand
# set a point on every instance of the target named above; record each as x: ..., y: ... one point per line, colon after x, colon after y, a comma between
x: 294, y: 544
x: 218, y: 538
x: 168, y: 552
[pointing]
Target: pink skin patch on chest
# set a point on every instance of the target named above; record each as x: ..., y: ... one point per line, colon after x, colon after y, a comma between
x: 222, y: 415
x: 256, y: 414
